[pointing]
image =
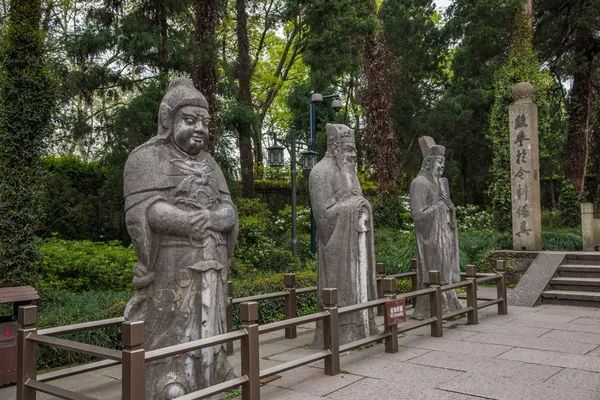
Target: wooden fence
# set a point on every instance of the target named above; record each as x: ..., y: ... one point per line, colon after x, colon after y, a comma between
x: 133, y: 357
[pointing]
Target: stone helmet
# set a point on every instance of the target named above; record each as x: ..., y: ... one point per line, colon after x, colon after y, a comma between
x: 181, y: 92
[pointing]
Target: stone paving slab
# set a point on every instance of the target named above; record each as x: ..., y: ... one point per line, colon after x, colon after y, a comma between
x: 313, y: 381
x: 541, y: 343
x: 376, y: 389
x: 582, y: 337
x: 400, y: 373
x: 486, y: 366
x: 508, y: 330
x: 453, y: 346
x: 502, y: 388
x: 576, y: 379
x: 575, y: 361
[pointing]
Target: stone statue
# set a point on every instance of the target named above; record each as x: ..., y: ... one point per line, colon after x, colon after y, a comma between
x: 183, y: 226
x: 435, y: 227
x: 346, y: 251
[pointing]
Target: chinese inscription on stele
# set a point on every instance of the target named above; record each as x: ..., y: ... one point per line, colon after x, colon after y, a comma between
x: 524, y: 165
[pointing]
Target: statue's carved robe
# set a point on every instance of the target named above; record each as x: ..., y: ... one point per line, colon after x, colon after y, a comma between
x: 437, y: 241
x: 180, y: 279
x: 346, y: 251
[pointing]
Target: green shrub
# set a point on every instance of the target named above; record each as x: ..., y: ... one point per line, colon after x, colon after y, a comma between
x: 392, y: 211
x: 395, y: 249
x: 59, y: 308
x: 472, y: 218
x: 84, y: 266
x: 562, y: 240
x: 568, y: 205
x: 252, y: 208
x: 273, y: 310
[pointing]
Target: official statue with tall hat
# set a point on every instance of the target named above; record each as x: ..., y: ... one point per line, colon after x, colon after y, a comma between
x: 346, y: 251
x: 436, y: 232
x: 183, y: 226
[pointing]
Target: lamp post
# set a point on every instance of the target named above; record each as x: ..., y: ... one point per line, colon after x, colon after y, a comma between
x: 309, y: 159
x: 316, y: 99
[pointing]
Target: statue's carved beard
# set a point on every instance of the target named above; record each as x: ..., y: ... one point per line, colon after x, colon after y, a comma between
x: 345, y: 163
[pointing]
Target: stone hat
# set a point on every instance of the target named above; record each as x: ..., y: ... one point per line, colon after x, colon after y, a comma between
x: 429, y: 148
x: 339, y: 133
x: 181, y: 92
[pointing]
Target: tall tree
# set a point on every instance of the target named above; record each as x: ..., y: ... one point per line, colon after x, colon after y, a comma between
x: 205, y: 69
x: 377, y: 100
x: 246, y: 117
x: 567, y: 36
x: 522, y: 65
x: 26, y: 104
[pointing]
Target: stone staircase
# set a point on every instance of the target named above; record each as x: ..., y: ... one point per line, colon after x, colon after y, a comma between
x: 576, y: 282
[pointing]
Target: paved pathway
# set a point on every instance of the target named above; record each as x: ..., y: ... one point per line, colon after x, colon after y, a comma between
x: 547, y: 352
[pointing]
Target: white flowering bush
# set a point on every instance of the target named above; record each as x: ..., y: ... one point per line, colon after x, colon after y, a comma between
x: 472, y: 218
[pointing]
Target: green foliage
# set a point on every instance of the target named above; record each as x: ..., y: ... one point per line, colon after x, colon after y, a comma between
x: 337, y: 28
x: 392, y: 211
x: 59, y: 308
x: 568, y: 205
x: 252, y: 208
x: 472, y: 218
x: 522, y: 65
x: 562, y: 240
x: 273, y: 310
x: 85, y: 266
x: 75, y: 203
x: 395, y: 249
x: 26, y: 105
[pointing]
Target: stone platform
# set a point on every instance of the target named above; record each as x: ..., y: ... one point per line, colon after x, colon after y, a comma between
x: 546, y: 352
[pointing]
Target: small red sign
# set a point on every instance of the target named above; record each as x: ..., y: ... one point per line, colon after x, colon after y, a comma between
x: 395, y: 312
x: 8, y: 333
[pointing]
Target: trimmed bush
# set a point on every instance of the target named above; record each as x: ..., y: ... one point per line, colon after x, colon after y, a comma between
x: 85, y: 266
x: 58, y: 308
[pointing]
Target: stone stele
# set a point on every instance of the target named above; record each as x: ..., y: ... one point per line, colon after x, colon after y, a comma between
x: 346, y: 259
x: 183, y: 226
x: 436, y: 232
x: 525, y: 170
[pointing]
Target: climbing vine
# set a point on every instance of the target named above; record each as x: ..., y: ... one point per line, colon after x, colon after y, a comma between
x: 522, y: 65
x: 26, y: 103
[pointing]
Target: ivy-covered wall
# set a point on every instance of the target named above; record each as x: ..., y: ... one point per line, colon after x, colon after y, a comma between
x: 26, y: 104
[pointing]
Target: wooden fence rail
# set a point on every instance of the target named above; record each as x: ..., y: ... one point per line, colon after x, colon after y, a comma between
x: 133, y: 357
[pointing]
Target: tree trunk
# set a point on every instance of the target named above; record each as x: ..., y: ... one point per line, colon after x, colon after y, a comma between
x: 379, y: 135
x: 244, y: 99
x: 204, y: 72
x: 580, y: 110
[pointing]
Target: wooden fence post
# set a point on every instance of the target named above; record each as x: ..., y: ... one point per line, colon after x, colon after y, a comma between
x: 289, y: 280
x: 229, y: 316
x: 389, y: 290
x: 380, y: 271
x: 26, y: 352
x: 249, y: 351
x: 331, y: 331
x: 472, y: 316
x: 435, y: 303
x: 134, y: 364
x: 501, y: 287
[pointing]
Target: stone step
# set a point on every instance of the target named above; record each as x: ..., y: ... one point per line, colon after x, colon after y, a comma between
x: 590, y: 258
x: 579, y: 270
x: 575, y: 284
x: 570, y: 297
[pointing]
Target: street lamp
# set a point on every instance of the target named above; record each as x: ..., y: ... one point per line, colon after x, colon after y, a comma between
x: 316, y: 99
x: 309, y: 159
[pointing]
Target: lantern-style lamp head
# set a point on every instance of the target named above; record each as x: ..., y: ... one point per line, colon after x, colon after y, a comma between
x: 309, y: 159
x: 275, y: 155
x: 336, y: 104
x: 316, y: 98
